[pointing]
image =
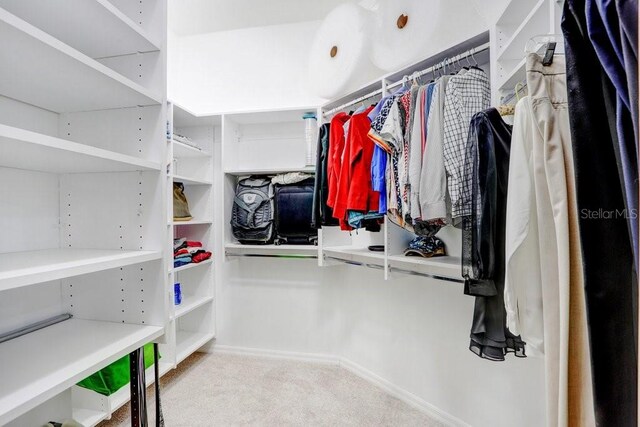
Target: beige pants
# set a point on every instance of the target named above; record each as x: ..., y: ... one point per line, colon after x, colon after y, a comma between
x: 568, y: 370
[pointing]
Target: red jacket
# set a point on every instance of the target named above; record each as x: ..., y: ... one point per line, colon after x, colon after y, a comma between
x: 354, y: 186
x: 334, y: 164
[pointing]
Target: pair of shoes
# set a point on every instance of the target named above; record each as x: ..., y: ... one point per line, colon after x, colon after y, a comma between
x: 426, y: 247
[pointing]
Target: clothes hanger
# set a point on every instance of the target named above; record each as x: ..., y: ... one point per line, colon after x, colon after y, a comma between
x: 545, y: 46
x: 469, y: 65
x: 519, y: 86
x: 416, y: 78
x: 475, y: 65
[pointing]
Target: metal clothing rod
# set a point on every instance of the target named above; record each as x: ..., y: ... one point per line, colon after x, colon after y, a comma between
x: 447, y: 61
x: 468, y: 53
x: 272, y: 256
x: 34, y: 327
x: 354, y: 102
x: 509, y: 97
x: 363, y: 264
x: 431, y: 276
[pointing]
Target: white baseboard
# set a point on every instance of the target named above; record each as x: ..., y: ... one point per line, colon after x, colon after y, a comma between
x: 403, y: 395
x: 276, y: 354
x: 397, y: 392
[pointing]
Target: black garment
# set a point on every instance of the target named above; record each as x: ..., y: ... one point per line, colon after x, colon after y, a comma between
x: 606, y: 249
x: 484, y: 194
x: 628, y: 15
x: 322, y: 214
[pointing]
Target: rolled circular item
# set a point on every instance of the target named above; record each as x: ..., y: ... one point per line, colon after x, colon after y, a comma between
x: 402, y: 31
x: 339, y: 55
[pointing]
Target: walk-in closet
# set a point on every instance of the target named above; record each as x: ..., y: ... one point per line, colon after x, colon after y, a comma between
x: 332, y: 213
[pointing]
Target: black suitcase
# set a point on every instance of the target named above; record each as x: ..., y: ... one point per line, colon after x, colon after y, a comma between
x: 294, y: 206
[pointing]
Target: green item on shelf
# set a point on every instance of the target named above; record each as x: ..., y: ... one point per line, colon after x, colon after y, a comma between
x: 112, y: 378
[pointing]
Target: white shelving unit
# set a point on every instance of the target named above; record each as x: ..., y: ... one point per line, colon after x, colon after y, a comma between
x: 82, y: 208
x: 520, y: 21
x: 193, y: 321
x: 81, y: 347
x: 248, y: 139
x: 188, y: 342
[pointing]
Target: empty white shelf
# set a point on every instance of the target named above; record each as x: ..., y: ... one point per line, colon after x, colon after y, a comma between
x: 49, y: 74
x: 355, y: 255
x: 514, y: 74
x: 94, y: 27
x: 194, y: 221
x: 286, y: 115
x: 181, y: 151
x: 445, y: 266
x: 273, y: 171
x: 182, y: 118
x: 39, y: 365
x: 534, y: 24
x: 271, y: 250
x: 190, y: 303
x: 187, y: 342
x: 191, y: 265
x: 26, y: 268
x: 190, y: 181
x: 23, y: 149
x: 88, y: 417
x: 515, y: 13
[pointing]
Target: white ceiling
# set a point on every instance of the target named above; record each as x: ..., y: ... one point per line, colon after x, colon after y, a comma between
x: 188, y: 17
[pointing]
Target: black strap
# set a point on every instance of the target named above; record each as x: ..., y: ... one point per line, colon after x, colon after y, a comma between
x: 137, y: 386
x: 156, y: 364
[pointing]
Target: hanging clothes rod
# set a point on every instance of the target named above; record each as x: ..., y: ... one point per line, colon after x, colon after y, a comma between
x: 431, y: 276
x: 446, y: 62
x: 271, y: 256
x: 354, y: 102
x: 515, y: 93
x: 469, y: 53
x: 357, y: 263
x: 34, y: 327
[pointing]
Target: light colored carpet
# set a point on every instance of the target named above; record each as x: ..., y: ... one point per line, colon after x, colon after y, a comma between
x: 229, y: 390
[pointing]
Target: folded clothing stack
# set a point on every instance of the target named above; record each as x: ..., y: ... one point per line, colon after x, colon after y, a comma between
x: 187, y: 252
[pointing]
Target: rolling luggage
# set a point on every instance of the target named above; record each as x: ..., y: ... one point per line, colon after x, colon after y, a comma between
x: 294, y: 207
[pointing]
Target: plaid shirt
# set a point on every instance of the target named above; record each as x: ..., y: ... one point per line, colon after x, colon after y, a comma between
x: 466, y: 94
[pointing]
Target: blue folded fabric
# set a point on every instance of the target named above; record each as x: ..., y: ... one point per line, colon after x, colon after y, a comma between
x: 179, y: 262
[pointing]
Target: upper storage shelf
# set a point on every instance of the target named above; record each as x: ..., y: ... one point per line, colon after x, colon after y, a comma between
x: 94, y: 27
x: 270, y: 171
x: 49, y: 74
x: 535, y: 23
x: 23, y: 149
x: 39, y: 365
x: 182, y: 117
x: 26, y: 268
x: 271, y: 116
x: 183, y: 151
